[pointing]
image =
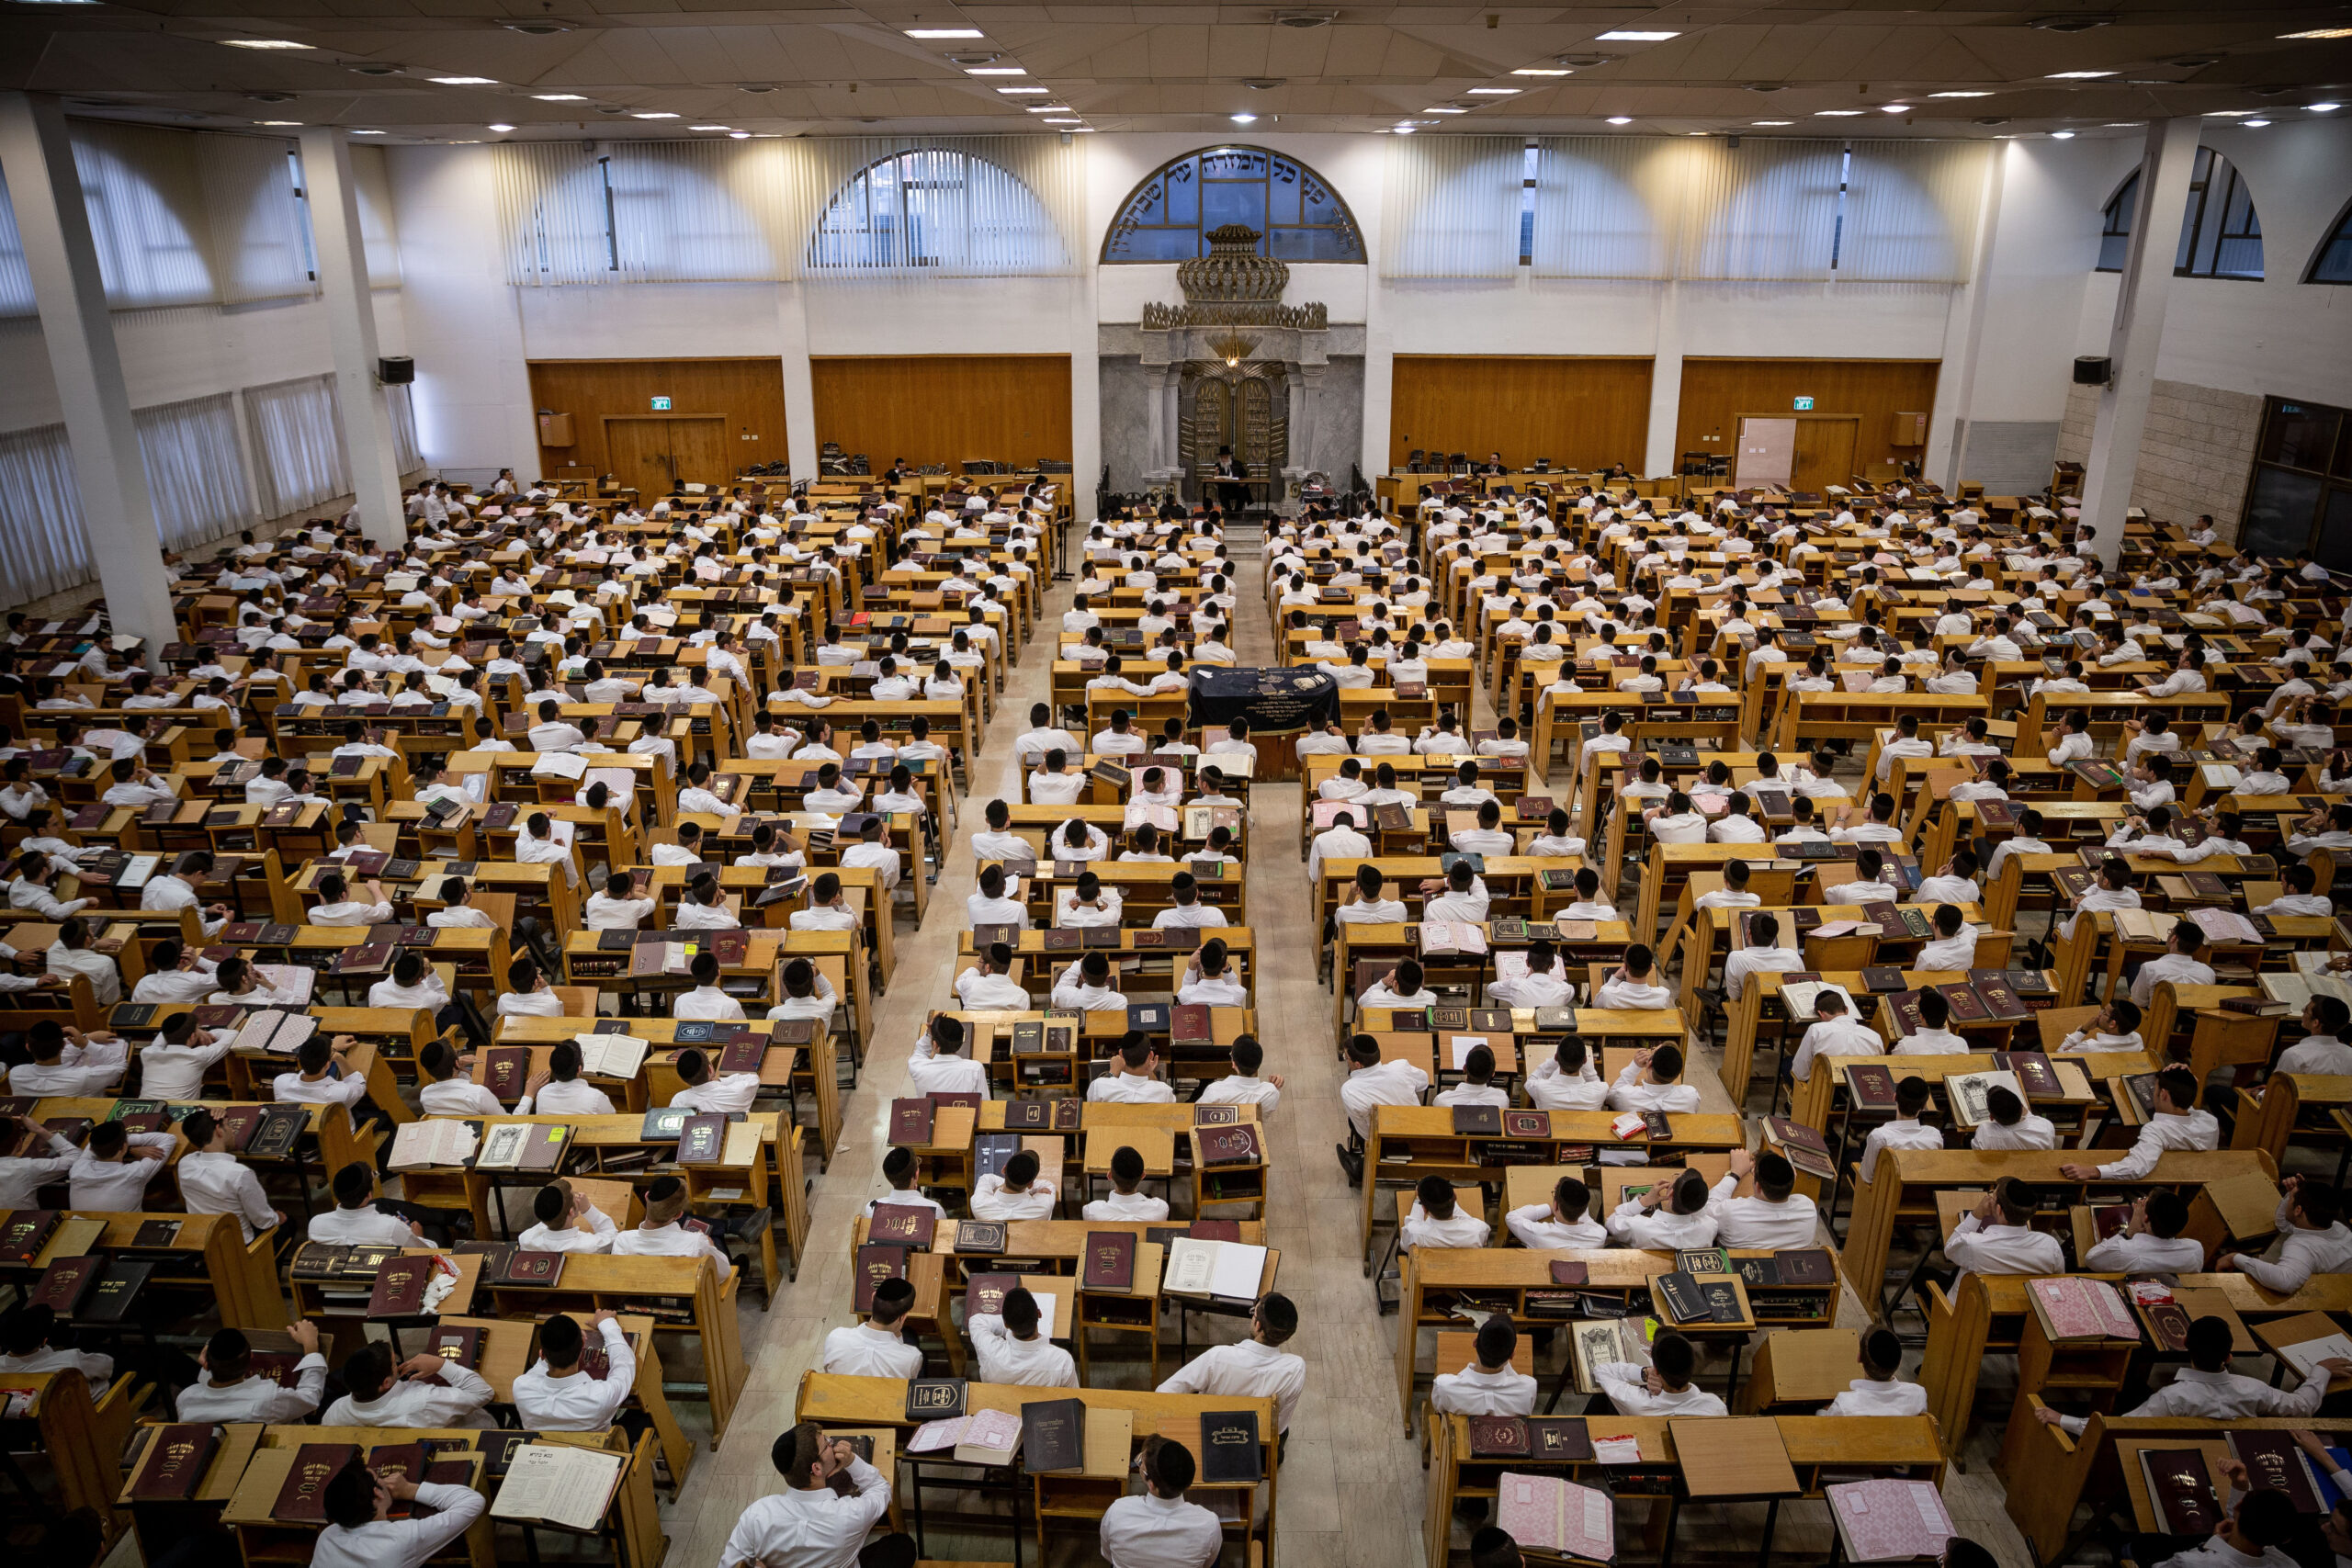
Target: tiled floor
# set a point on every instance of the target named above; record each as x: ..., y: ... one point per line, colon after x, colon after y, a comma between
x: 1351, y: 1484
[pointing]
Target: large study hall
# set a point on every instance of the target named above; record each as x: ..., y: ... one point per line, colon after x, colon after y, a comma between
x: 1139, y: 787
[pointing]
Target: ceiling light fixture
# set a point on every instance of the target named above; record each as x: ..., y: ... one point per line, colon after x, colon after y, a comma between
x: 711, y: 128
x: 1445, y: 108
x: 651, y: 113
x: 501, y: 128
x: 2121, y: 124
x: 464, y: 81
x: 561, y: 97
x: 1541, y: 71
x: 2321, y: 32
x: 277, y: 122
x: 1620, y: 119
x: 263, y: 43
x: 2228, y: 114
x: 1062, y: 122
x: 1837, y: 114
x: 1404, y: 130
x: 366, y: 133
x: 2322, y: 108
x: 994, y: 71
x: 536, y: 26
x: 1242, y: 119
x: 1773, y: 122
x: 2077, y: 76
x: 2256, y: 124
x: 2062, y: 136
x: 1977, y: 93
x: 1020, y: 90
x: 57, y: 2
x: 1048, y: 109
x: 1493, y: 91
x: 1895, y: 108
x: 942, y: 32
x: 1630, y: 35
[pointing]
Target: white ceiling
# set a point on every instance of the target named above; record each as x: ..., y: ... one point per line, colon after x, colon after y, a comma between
x: 837, y: 69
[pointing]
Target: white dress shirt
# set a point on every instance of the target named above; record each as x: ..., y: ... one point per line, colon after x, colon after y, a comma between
x: 254, y: 1398
x: 2032, y: 1131
x: 1760, y: 1221
x: 94, y: 1183
x: 2302, y: 1254
x: 1462, y: 1229
x: 1034, y: 1363
x: 1130, y: 1089
x: 1656, y: 1228
x: 222, y: 1184
x: 1622, y: 1382
x: 577, y: 1097
x: 1474, y: 1391
x: 1245, y: 1370
x: 1126, y: 1206
x: 576, y: 1402
x: 817, y: 1529
x: 2146, y: 1254
x: 1385, y: 1083
x: 864, y: 1350
x: 1629, y: 1093
x: 1145, y: 1531
x: 1867, y: 1396
x: 673, y: 1240
x: 402, y: 1544
x: 453, y: 1397
x: 733, y: 1092
x: 2165, y: 1129
x: 1981, y: 1249
x: 592, y: 1232
x: 1902, y: 1133
x: 175, y: 1073
x: 2219, y: 1396
x: 1535, y: 1227
x: 991, y: 1202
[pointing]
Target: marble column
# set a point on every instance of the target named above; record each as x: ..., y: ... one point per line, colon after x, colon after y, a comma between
x: 360, y: 408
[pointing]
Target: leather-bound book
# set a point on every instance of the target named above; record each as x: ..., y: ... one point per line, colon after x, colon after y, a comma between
x: 1053, y: 1435
x: 1684, y: 1302
x: 369, y: 958
x: 1870, y: 1086
x: 702, y: 1138
x: 1216, y: 1115
x: 2002, y: 1003
x: 1559, y: 1439
x: 1060, y: 939
x: 1806, y: 1266
x: 1028, y: 1115
x: 1491, y: 1021
x: 498, y: 1450
x: 1967, y: 1006
x: 1189, y: 1025
x: 544, y: 1150
x: 902, y: 1224
x: 967, y: 1099
x: 988, y: 936
x: 400, y: 1288
x: 873, y: 1265
x: 934, y: 1399
x: 397, y: 1461
x: 1757, y: 1271
x: 504, y: 1071
x: 175, y: 1463
x: 2167, y: 1326
x: 303, y: 1499
x: 1501, y: 1437
x: 2036, y: 1074
x: 456, y: 1343
x: 1879, y: 979
x: 1229, y: 1451
x: 1069, y: 1115
x: 1570, y: 1271
x: 2181, y: 1489
x: 979, y: 1238
x: 119, y: 1285
x: 1236, y: 1145
x: 25, y: 1232
x: 743, y: 1055
x: 2273, y: 1460
x: 1477, y: 1120
x: 911, y: 1122
x: 65, y: 1282
x: 663, y: 1123
x: 240, y: 1123
x: 594, y: 1359
x: 793, y: 1032
x: 541, y: 1268
x: 1098, y: 936
x: 1110, y: 1261
x: 156, y: 1235
x: 1656, y: 1126
x: 984, y: 1294
x: 1148, y: 1017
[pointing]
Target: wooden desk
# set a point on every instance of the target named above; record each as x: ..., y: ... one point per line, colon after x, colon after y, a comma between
x: 1803, y: 1367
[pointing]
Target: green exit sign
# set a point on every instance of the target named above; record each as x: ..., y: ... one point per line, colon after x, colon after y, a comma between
x: 661, y: 405
x: 1803, y: 403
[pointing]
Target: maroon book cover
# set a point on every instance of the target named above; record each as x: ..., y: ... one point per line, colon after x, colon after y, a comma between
x: 1967, y: 1006
x: 902, y: 1224
x: 701, y: 1138
x: 1499, y: 1437
x: 176, y: 1461
x: 1214, y: 1230
x: 1189, y: 1025
x: 1871, y: 1087
x: 504, y: 1070
x: 541, y: 1268
x: 876, y: 1264
x: 743, y: 1055
x: 1110, y: 1261
x: 2035, y: 1073
x: 1568, y: 1271
x: 303, y: 1499
x: 66, y: 1281
x: 26, y: 1233
x: 1227, y: 1145
x: 2181, y: 1488
x: 985, y: 1294
x: 459, y: 1344
x: 911, y: 1122
x: 400, y: 1288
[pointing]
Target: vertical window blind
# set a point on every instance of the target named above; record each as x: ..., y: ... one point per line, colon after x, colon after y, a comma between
x: 1455, y: 201
x: 196, y: 469
x: 296, y: 443
x: 407, y: 456
x: 1607, y: 205
x: 43, y: 546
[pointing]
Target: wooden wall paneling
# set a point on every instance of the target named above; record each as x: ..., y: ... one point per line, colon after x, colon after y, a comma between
x: 1715, y: 392
x: 1580, y: 412
x: 746, y: 394
x: 945, y: 407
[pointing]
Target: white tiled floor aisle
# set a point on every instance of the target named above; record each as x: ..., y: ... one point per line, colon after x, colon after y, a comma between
x: 1351, y: 1484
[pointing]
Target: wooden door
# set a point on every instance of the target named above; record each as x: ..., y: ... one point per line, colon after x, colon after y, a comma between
x: 638, y: 454
x: 698, y: 449
x: 1824, y: 454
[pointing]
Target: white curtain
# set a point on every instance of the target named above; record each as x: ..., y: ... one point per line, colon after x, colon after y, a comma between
x: 1452, y: 206
x: 1607, y: 206
x: 552, y: 213
x: 260, y: 239
x: 15, y: 276
x: 148, y: 213
x: 195, y: 471
x: 1767, y: 212
x: 954, y: 206
x: 296, y: 443
x: 43, y: 546
x: 374, y: 180
x: 406, y: 455
x: 692, y: 212
x: 1911, y: 210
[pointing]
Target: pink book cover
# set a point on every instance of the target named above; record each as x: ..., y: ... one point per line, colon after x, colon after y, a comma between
x: 1552, y: 1514
x: 1325, y: 811
x: 1892, y: 1521
x: 2081, y: 1308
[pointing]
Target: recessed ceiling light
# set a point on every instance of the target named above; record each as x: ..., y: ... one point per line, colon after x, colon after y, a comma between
x: 1242, y: 119
x: 366, y: 133
x: 2121, y: 124
x: 1773, y: 122
x: 1055, y: 109
x: 651, y: 113
x: 2321, y: 32
x: 2256, y: 124
x: 1694, y: 134
x: 263, y: 43
x: 1061, y: 122
x: 1967, y: 95
x: 277, y: 122
x: 1404, y: 130
x: 1445, y: 108
x: 738, y: 136
x: 2322, y: 108
x: 1895, y: 108
x: 2228, y: 114
x: 501, y: 128
x: 57, y: 2
x: 1492, y: 92
x: 1082, y: 130
x: 711, y: 128
x: 561, y: 97
x: 1010, y: 90
x: 2062, y: 136
x: 1627, y: 35
x: 1837, y: 114
x: 1620, y: 119
x: 942, y: 32
x: 2076, y: 76
x: 1535, y: 71
x: 994, y: 71
x: 464, y: 81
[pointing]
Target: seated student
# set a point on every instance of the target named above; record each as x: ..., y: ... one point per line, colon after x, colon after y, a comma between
x: 411, y: 984
x: 2315, y: 1240
x: 1879, y: 828
x: 1242, y: 1085
x: 1904, y: 1130
x: 1019, y: 1193
x: 1652, y: 1081
x: 2298, y: 898
x: 1133, y: 1078
x: 811, y: 1522
x: 356, y: 1220
x: 32, y: 1340
x: 557, y: 1395
x: 1208, y: 979
x: 1566, y: 1079
x: 2009, y: 1126
x: 1665, y: 1387
x: 173, y: 1064
x: 1997, y: 1238
x: 566, y: 1093
x: 2174, y: 1124
x: 1478, y: 1086
x: 1157, y: 1528
x: 529, y: 993
x: 67, y: 1062
x: 567, y: 1221
x: 1012, y: 1348
x: 1364, y: 905
x: 1778, y: 1217
x: 448, y: 1091
x: 1255, y: 1368
x: 1835, y: 1033
x: 2322, y: 1049
x: 361, y: 1532
x: 1646, y: 1220
x: 426, y: 1390
x: 1633, y: 984
x: 2117, y: 1028
x: 662, y: 1233
x: 1877, y: 1392
x: 337, y: 907
x: 212, y: 1179
x: 1764, y: 952
x: 1675, y: 822
x: 1734, y: 893
x: 996, y: 901
x: 877, y: 1348
x: 2208, y: 1390
x: 706, y: 1091
x: 1435, y: 1220
x: 1489, y: 836
x: 1459, y: 895
x: 989, y: 984
x: 456, y: 914
x: 1565, y: 1222
x: 115, y: 1166
x: 1955, y: 944
x: 1931, y: 1038
x: 900, y: 1167
x: 1085, y: 986
x: 2150, y: 1241
x: 1490, y: 1385
x: 1126, y: 1200
x: 228, y: 1389
x: 1870, y: 884
x: 1400, y: 989
x: 688, y: 851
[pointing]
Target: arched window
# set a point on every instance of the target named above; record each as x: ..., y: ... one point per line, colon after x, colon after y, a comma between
x: 2220, y: 235
x: 936, y: 207
x: 2115, y: 235
x: 1297, y: 215
x: 2333, y: 262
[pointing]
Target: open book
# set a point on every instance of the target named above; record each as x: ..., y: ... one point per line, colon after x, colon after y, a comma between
x: 566, y: 1486
x: 559, y: 764
x: 1227, y: 1269
x: 433, y: 1141
x: 610, y: 1056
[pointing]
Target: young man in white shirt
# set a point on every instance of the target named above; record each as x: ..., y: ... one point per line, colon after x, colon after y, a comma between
x: 1566, y: 1079
x: 1436, y: 1220
x: 1157, y: 1528
x: 1255, y: 1368
x: 1998, y: 1236
x: 1633, y: 984
x: 2150, y: 1241
x: 2316, y: 1240
x: 877, y: 1348
x: 1764, y: 953
x: 426, y: 1390
x: 1647, y: 1222
x: 214, y: 1181
x: 2207, y: 1388
x: 1775, y: 1217
x: 1879, y: 1392
x: 706, y: 1091
x: 556, y: 1396
x: 566, y: 1222
x: 1490, y: 1385
x: 938, y: 1066
x: 1018, y: 1193
x: 661, y: 1234
x: 1540, y: 987
x: 1126, y: 1200
x: 988, y: 985
x: 1564, y: 1223
x: 1242, y: 1085
x: 1134, y: 1080
x: 2178, y: 963
x: 1666, y: 1388
x: 566, y: 1093
x: 1904, y: 1131
x: 1374, y: 1082
x: 360, y: 1532
x: 229, y: 1390
x: 810, y: 1522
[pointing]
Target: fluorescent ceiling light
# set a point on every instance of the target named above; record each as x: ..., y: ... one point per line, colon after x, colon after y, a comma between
x: 1773, y: 122
x: 2062, y: 136
x: 2322, y: 108
x: 652, y: 114
x: 1046, y: 109
x: 2256, y: 124
x: 1492, y: 92
x: 1837, y: 114
x: 2228, y: 114
x: 738, y: 135
x: 1968, y: 94
x: 711, y: 128
x: 1024, y: 89
x: 1541, y: 71
x: 366, y: 133
x: 1082, y: 130
x: 561, y: 97
x: 942, y: 32
x: 1628, y: 35
x: 2076, y: 76
x: 1242, y: 119
x: 2122, y: 124
x: 277, y: 122
x: 464, y: 81
x: 501, y: 128
x: 994, y: 71
x: 2321, y: 32
x: 1404, y: 130
x: 1062, y: 122
x: 1620, y: 119
x: 263, y: 43
x: 1445, y: 108
x: 1895, y: 108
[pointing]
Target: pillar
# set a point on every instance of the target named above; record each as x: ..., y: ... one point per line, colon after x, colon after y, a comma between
x: 2140, y: 300
x: 1085, y: 396
x: 1659, y: 453
x: 799, y: 381
x: 359, y: 403
x: 117, y: 515
x: 1948, y: 432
